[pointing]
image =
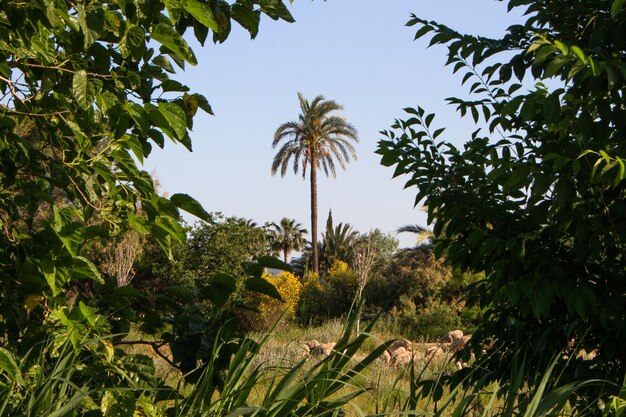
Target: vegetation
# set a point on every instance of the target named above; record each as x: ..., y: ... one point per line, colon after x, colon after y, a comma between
x: 317, y: 139
x: 286, y: 237
x: 112, y: 306
x: 535, y: 197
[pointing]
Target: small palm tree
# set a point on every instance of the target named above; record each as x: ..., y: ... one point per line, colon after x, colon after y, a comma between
x: 318, y: 139
x: 287, y: 236
x: 337, y: 244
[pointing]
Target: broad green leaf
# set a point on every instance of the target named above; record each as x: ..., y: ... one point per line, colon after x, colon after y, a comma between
x: 244, y: 14
x: 79, y: 88
x: 616, y: 7
x: 9, y: 367
x: 191, y: 206
x: 180, y: 292
x: 176, y: 117
x: 172, y: 85
x: 262, y: 286
x: 49, y: 272
x: 163, y: 62
x: 170, y: 38
x: 276, y: 10
x: 157, y: 118
x: 89, y: 35
x: 85, y: 269
x: 33, y: 301
x: 195, y: 101
x: 219, y: 288
x: 202, y: 13
x: 139, y: 116
x: 81, y: 138
x: 274, y: 263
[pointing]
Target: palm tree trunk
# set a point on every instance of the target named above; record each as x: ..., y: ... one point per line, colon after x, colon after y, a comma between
x: 314, y: 213
x: 285, y: 255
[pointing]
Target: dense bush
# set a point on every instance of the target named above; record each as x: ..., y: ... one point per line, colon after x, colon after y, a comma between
x: 428, y: 322
x: 271, y: 310
x: 326, y: 298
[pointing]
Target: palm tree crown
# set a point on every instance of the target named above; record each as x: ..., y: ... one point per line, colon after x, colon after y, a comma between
x: 317, y: 140
x: 287, y: 236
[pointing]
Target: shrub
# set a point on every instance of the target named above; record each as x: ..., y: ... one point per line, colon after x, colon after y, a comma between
x: 310, y: 308
x: 429, y: 323
x: 340, y: 289
x: 270, y: 310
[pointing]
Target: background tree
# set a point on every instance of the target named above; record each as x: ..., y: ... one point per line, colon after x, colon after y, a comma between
x: 364, y: 258
x: 287, y: 236
x: 535, y: 198
x: 317, y: 139
x: 224, y: 245
x: 337, y: 244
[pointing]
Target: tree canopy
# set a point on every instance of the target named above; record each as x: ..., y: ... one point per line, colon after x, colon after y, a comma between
x: 535, y: 197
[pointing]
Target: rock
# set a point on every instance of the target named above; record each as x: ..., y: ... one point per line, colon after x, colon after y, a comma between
x: 323, y: 349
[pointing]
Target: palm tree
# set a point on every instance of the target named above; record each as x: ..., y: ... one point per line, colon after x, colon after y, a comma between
x: 337, y: 244
x: 287, y: 236
x: 316, y: 140
x: 423, y: 236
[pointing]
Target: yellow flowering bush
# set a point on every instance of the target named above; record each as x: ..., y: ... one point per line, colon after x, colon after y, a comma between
x: 342, y: 282
x: 339, y: 267
x: 289, y: 287
x: 325, y: 298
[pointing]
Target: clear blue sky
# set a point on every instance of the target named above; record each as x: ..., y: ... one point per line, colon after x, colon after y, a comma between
x: 356, y: 52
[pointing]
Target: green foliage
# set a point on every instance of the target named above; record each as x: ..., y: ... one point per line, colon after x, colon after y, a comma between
x: 194, y: 322
x: 85, y: 94
x: 221, y: 246
x: 428, y: 322
x: 337, y: 244
x: 224, y: 245
x: 535, y: 197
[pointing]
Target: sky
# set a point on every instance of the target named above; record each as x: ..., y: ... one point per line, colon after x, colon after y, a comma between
x: 358, y: 53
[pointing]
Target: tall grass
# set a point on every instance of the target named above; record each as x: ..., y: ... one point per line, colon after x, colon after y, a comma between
x: 347, y: 382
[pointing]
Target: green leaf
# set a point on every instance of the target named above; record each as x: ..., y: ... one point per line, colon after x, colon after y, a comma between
x: 247, y: 17
x: 84, y: 268
x: 616, y: 7
x: 195, y: 101
x: 47, y: 268
x: 262, y: 286
x: 180, y: 292
x: 170, y: 38
x: 176, y: 117
x: 276, y: 9
x: 202, y: 13
x: 89, y: 35
x: 163, y: 62
x: 191, y: 206
x: 219, y: 288
x: 9, y: 367
x: 79, y: 88
x: 274, y: 263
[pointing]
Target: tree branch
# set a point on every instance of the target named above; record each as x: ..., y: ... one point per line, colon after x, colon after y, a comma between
x: 155, y: 347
